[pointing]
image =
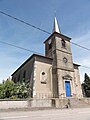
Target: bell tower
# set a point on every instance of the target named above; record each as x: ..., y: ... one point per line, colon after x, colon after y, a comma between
x: 50, y: 42
x: 57, y: 47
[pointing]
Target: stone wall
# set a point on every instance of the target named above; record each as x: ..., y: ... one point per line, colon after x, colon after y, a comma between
x: 43, y: 103
x: 42, y: 87
x: 6, y: 104
x: 40, y: 103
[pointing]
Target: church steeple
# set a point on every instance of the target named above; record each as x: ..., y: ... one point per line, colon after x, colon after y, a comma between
x: 56, y: 26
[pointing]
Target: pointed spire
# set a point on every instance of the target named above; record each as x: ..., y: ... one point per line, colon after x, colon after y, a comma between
x: 56, y: 26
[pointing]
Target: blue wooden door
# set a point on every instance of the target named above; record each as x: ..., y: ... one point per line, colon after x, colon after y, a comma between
x: 68, y: 89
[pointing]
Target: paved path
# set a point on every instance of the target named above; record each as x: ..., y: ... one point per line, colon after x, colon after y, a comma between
x: 53, y: 114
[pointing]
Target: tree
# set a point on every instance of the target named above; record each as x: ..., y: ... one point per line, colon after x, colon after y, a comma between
x: 21, y: 90
x: 9, y: 89
x: 2, y: 91
x: 6, y: 89
x: 86, y: 85
x: 8, y: 86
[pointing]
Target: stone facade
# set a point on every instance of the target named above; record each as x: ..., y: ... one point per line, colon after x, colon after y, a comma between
x: 53, y: 75
x: 63, y: 68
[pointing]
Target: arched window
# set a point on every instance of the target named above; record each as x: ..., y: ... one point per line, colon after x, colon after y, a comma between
x: 18, y: 77
x: 63, y: 43
x: 49, y: 44
x: 43, y: 77
x: 14, y: 79
x: 24, y: 74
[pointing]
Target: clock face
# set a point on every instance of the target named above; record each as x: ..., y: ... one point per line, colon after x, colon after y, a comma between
x: 65, y: 60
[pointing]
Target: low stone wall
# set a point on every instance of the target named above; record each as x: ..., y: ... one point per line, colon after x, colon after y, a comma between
x: 40, y: 103
x: 6, y: 104
x: 32, y: 103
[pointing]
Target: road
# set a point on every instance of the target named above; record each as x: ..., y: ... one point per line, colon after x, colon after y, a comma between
x: 53, y: 114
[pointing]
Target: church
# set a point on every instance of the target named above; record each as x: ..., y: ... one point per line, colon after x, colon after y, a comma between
x: 53, y: 75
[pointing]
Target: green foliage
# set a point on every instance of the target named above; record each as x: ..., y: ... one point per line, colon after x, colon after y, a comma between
x: 21, y: 90
x: 9, y: 89
x: 86, y: 85
x: 2, y: 91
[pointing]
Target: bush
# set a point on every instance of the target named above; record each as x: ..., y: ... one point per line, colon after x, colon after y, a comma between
x: 9, y: 89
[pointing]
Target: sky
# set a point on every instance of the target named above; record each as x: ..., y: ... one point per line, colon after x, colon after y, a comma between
x: 74, y: 20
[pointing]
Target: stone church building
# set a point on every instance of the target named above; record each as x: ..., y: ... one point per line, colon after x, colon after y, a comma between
x: 53, y: 75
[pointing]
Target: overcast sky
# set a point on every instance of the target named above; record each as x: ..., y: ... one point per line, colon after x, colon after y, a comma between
x: 73, y: 18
